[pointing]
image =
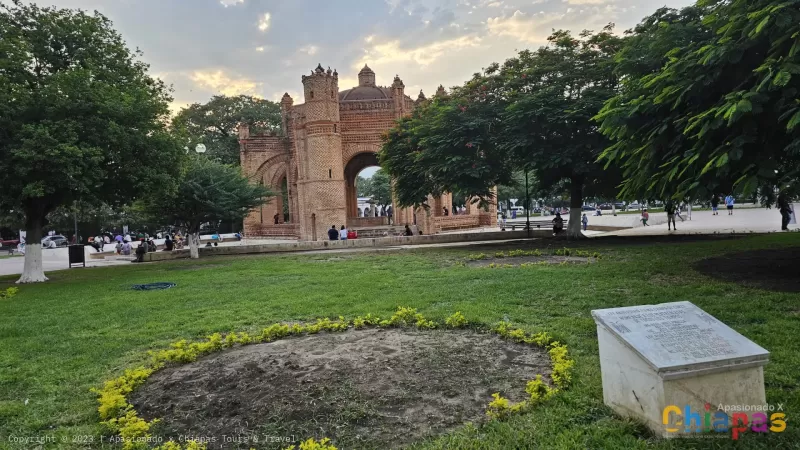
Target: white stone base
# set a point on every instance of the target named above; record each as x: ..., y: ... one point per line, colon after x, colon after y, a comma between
x: 632, y: 388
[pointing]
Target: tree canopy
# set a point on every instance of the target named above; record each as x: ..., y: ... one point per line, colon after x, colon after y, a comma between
x: 80, y: 118
x: 206, y: 191
x: 532, y: 113
x: 215, y: 124
x: 720, y: 111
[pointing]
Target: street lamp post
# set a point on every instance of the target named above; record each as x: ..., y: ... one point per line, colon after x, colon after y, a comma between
x: 527, y: 206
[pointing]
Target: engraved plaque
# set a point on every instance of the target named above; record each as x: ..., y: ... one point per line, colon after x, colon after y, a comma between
x: 679, y: 336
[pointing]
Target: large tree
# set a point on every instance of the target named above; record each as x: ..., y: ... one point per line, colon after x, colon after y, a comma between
x: 534, y: 113
x: 214, y: 124
x: 79, y: 118
x: 206, y: 191
x: 720, y: 111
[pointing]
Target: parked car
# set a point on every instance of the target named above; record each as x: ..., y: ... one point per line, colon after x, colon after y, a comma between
x: 605, y: 207
x: 54, y: 241
x: 9, y: 242
x: 633, y: 206
x: 588, y: 208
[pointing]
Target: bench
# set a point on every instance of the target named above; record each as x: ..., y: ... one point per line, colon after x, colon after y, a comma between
x: 538, y: 224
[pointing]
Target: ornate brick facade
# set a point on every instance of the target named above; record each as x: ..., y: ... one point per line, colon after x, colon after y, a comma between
x: 326, y: 142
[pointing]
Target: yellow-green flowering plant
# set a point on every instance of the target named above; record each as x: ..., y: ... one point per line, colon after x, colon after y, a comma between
x: 119, y: 416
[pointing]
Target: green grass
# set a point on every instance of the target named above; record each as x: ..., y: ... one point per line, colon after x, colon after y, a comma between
x: 59, y: 339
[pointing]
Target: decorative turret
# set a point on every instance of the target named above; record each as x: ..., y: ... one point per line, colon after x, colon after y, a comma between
x: 322, y: 88
x: 399, y: 96
x: 421, y: 97
x: 398, y: 83
x: 322, y: 177
x: 244, y: 131
x: 366, y: 77
x: 440, y: 92
x: 286, y: 100
x: 286, y: 107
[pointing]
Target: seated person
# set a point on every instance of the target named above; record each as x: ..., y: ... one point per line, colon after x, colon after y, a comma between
x: 333, y: 233
x: 558, y: 224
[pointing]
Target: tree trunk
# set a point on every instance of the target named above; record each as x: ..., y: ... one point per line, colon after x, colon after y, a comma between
x: 32, y: 271
x: 194, y: 245
x: 575, y: 208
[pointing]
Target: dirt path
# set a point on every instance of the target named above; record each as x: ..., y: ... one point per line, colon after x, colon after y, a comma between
x: 775, y: 270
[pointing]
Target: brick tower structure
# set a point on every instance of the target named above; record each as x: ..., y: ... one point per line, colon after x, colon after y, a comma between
x: 325, y: 142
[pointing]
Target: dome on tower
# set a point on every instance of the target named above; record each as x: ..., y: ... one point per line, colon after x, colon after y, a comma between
x: 364, y: 93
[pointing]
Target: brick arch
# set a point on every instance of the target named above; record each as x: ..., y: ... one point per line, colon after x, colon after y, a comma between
x: 351, y: 150
x: 270, y: 164
x: 354, y: 165
x: 271, y: 173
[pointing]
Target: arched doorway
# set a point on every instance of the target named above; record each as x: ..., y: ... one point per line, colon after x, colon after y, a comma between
x: 365, y: 214
x: 278, y: 210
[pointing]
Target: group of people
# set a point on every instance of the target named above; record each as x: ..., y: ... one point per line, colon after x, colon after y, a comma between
x: 342, y: 234
x: 385, y: 211
x: 729, y: 202
x: 456, y: 211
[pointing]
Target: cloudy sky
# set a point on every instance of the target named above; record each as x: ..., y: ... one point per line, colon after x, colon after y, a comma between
x: 262, y: 47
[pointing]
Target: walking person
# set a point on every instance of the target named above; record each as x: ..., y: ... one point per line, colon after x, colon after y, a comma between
x: 670, y: 210
x: 333, y: 234
x: 714, y: 205
x: 585, y: 221
x: 729, y: 201
x: 389, y: 212
x: 678, y: 212
x: 645, y: 218
x: 785, y: 208
x: 343, y: 233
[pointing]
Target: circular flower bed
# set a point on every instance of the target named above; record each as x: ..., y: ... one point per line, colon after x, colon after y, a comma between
x: 326, y: 379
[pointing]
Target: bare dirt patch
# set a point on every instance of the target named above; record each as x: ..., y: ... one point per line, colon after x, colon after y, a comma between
x: 774, y: 270
x: 517, y: 260
x: 363, y: 389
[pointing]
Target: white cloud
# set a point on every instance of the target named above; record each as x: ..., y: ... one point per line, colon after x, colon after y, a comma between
x: 522, y: 26
x: 260, y: 49
x: 220, y: 82
x: 227, y: 3
x: 347, y: 82
x: 392, y: 51
x: 310, y: 50
x: 263, y: 24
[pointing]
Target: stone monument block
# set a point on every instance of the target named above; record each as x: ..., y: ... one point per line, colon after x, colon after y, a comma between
x: 675, y: 354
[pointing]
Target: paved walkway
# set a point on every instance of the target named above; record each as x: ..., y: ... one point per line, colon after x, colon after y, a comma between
x: 744, y: 220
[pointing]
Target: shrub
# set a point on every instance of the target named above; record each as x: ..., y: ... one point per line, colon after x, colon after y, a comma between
x: 457, y: 320
x: 499, y: 408
x: 9, y: 292
x: 312, y: 444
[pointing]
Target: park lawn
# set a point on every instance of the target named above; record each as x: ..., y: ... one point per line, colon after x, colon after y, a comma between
x: 59, y: 339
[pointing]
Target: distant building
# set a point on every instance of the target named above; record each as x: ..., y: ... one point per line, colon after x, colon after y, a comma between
x: 326, y: 142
